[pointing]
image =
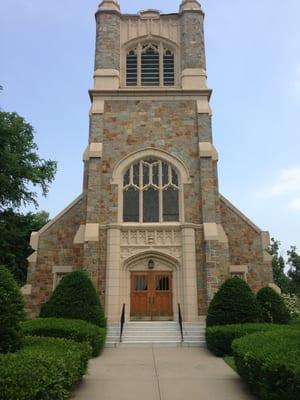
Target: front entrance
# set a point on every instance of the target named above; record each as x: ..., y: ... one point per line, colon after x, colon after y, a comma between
x: 151, y: 296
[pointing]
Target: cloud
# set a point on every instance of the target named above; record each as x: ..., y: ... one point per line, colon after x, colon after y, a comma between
x: 294, y: 204
x: 286, y: 183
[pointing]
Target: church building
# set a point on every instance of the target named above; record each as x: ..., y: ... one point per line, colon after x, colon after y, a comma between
x: 150, y: 226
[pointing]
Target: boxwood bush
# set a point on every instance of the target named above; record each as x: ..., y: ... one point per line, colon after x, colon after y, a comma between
x: 74, y: 329
x: 234, y: 303
x: 270, y: 363
x: 44, y: 369
x: 219, y: 338
x: 75, y: 297
x: 272, y: 306
x: 11, y: 312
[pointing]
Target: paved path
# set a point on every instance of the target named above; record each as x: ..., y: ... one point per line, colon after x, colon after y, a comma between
x: 160, y: 374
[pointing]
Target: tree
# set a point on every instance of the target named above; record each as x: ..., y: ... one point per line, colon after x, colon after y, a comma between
x: 20, y: 166
x: 273, y: 306
x: 234, y: 303
x: 278, y: 265
x: 294, y: 271
x: 15, y: 230
x: 11, y: 312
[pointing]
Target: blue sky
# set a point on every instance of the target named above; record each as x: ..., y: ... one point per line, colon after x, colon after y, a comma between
x: 253, y: 65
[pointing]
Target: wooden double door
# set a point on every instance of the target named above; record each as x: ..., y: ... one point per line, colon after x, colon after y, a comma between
x: 151, y: 296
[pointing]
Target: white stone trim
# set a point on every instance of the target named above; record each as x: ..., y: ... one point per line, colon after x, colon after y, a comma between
x: 240, y: 214
x: 34, y: 240
x: 60, y: 270
x: 106, y: 79
x: 91, y: 232
x: 79, y: 236
x: 188, y: 5
x: 203, y: 106
x: 239, y: 270
x: 194, y: 78
x: 275, y: 287
x: 214, y: 232
x: 32, y: 259
x: 26, y: 290
x: 207, y: 149
x: 94, y: 150
x: 109, y: 5
x: 97, y: 106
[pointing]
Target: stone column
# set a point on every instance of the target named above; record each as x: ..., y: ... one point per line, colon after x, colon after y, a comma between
x: 112, y: 302
x: 189, y: 274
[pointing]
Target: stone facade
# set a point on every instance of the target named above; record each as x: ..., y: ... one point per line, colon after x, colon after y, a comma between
x: 211, y: 240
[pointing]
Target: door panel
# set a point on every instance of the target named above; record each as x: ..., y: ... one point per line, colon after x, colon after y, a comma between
x: 151, y: 295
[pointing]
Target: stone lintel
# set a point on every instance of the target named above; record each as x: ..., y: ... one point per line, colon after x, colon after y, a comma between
x: 106, y: 79
x: 34, y: 240
x: 94, y: 150
x: 91, y: 232
x: 62, y: 269
x: 194, y: 78
x: 79, y: 237
x: 239, y: 269
x: 207, y: 149
x: 214, y: 232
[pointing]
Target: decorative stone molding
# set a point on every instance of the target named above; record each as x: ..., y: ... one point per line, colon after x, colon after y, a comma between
x: 207, y: 149
x: 194, y: 78
x: 275, y: 287
x: 91, y: 233
x: 97, y: 106
x: 152, y: 236
x: 188, y: 5
x: 79, y: 237
x: 106, y: 79
x: 109, y: 5
x: 34, y: 240
x: 240, y: 270
x: 94, y: 150
x: 214, y: 232
x: 203, y: 106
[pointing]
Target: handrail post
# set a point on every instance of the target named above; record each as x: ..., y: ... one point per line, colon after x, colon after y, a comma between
x: 180, y: 322
x: 122, y: 321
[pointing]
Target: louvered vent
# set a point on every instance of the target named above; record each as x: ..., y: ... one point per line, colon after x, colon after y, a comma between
x: 131, y: 68
x: 168, y: 68
x: 150, y: 65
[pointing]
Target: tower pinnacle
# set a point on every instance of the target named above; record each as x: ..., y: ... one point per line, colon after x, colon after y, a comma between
x: 109, y: 5
x: 190, y: 5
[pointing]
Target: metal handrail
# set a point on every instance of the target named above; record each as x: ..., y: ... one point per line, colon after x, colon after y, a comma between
x: 180, y: 322
x: 122, y: 322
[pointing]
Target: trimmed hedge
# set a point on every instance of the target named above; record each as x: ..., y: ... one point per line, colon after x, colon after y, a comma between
x: 74, y: 329
x: 234, y: 303
x: 219, y: 338
x: 75, y: 297
x: 270, y: 363
x: 273, y: 307
x: 45, y: 369
x: 11, y: 312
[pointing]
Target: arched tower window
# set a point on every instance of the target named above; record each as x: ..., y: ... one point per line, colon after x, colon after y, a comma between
x: 150, y: 192
x: 150, y: 64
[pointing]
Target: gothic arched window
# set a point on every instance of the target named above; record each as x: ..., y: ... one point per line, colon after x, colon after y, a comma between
x: 150, y: 64
x: 150, y: 192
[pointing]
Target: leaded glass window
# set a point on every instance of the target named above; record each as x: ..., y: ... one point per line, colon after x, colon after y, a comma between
x: 150, y: 192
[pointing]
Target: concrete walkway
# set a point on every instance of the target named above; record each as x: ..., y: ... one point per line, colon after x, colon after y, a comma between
x: 160, y: 374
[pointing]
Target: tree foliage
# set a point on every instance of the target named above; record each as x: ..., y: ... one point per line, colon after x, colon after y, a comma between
x: 278, y: 265
x: 21, y: 169
x: 273, y: 306
x: 294, y: 271
x: 11, y: 312
x: 15, y: 230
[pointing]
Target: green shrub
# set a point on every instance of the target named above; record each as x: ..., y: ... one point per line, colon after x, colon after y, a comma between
x: 234, y: 303
x: 292, y: 303
x: 270, y: 363
x: 219, y: 338
x: 272, y: 306
x: 44, y: 369
x: 11, y: 312
x: 74, y: 329
x: 75, y: 298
